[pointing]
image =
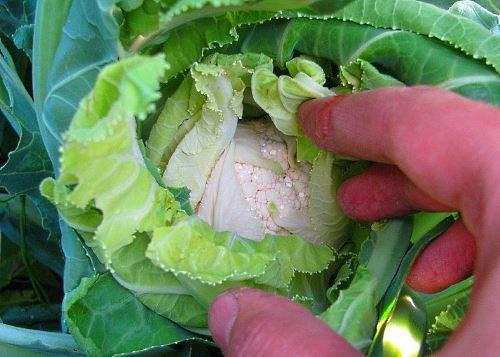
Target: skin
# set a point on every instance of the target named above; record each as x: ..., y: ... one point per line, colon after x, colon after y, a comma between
x: 435, y: 151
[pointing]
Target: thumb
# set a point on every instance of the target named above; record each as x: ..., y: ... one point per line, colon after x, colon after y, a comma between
x: 249, y: 322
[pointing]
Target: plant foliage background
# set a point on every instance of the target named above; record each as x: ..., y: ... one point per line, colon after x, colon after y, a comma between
x: 50, y: 55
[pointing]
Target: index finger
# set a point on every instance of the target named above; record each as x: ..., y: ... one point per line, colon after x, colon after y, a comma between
x: 449, y: 146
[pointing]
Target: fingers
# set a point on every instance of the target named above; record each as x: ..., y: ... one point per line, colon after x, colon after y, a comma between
x: 248, y: 322
x: 446, y: 261
x: 383, y: 191
x: 444, y: 143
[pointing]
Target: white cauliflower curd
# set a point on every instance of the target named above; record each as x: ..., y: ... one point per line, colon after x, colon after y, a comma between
x: 257, y: 187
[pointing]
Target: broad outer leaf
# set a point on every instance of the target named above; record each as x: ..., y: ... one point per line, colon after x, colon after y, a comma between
x: 106, y: 319
x: 68, y: 51
x: 410, y: 58
x: 461, y: 32
x: 88, y: 41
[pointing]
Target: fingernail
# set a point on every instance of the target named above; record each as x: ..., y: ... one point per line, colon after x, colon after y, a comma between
x: 223, y: 314
x: 316, y: 119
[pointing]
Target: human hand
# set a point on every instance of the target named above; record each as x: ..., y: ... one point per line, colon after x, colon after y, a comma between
x: 436, y: 151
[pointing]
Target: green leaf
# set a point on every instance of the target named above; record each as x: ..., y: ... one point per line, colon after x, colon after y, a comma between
x: 77, y: 258
x: 45, y: 251
x: 447, y: 322
x: 438, y: 302
x: 309, y: 289
x: 15, y: 102
x: 464, y: 33
x: 403, y: 55
x: 69, y: 52
x: 159, y: 290
x: 330, y: 223
x: 306, y: 149
x: 404, y: 332
x: 181, y: 195
x: 383, y: 251
x: 92, y: 148
x: 361, y: 75
x: 28, y: 164
x: 423, y: 222
x: 490, y: 5
x: 23, y: 39
x: 50, y: 20
x: 397, y: 283
x: 106, y: 319
x: 14, y: 14
x: 347, y: 268
x: 152, y: 23
x: 475, y: 12
x: 9, y: 261
x: 167, y: 133
x: 187, y: 44
x: 281, y: 96
x: 353, y: 314
x: 445, y: 310
x: 32, y: 315
x: 192, y: 248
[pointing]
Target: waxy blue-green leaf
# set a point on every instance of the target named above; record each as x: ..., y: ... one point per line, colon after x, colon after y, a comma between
x: 28, y: 164
x: 17, y: 341
x: 45, y: 251
x: 68, y: 52
x: 32, y: 315
x: 80, y: 48
x: 15, y: 14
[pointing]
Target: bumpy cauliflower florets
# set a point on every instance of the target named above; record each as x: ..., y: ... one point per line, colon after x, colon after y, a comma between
x: 271, y: 194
